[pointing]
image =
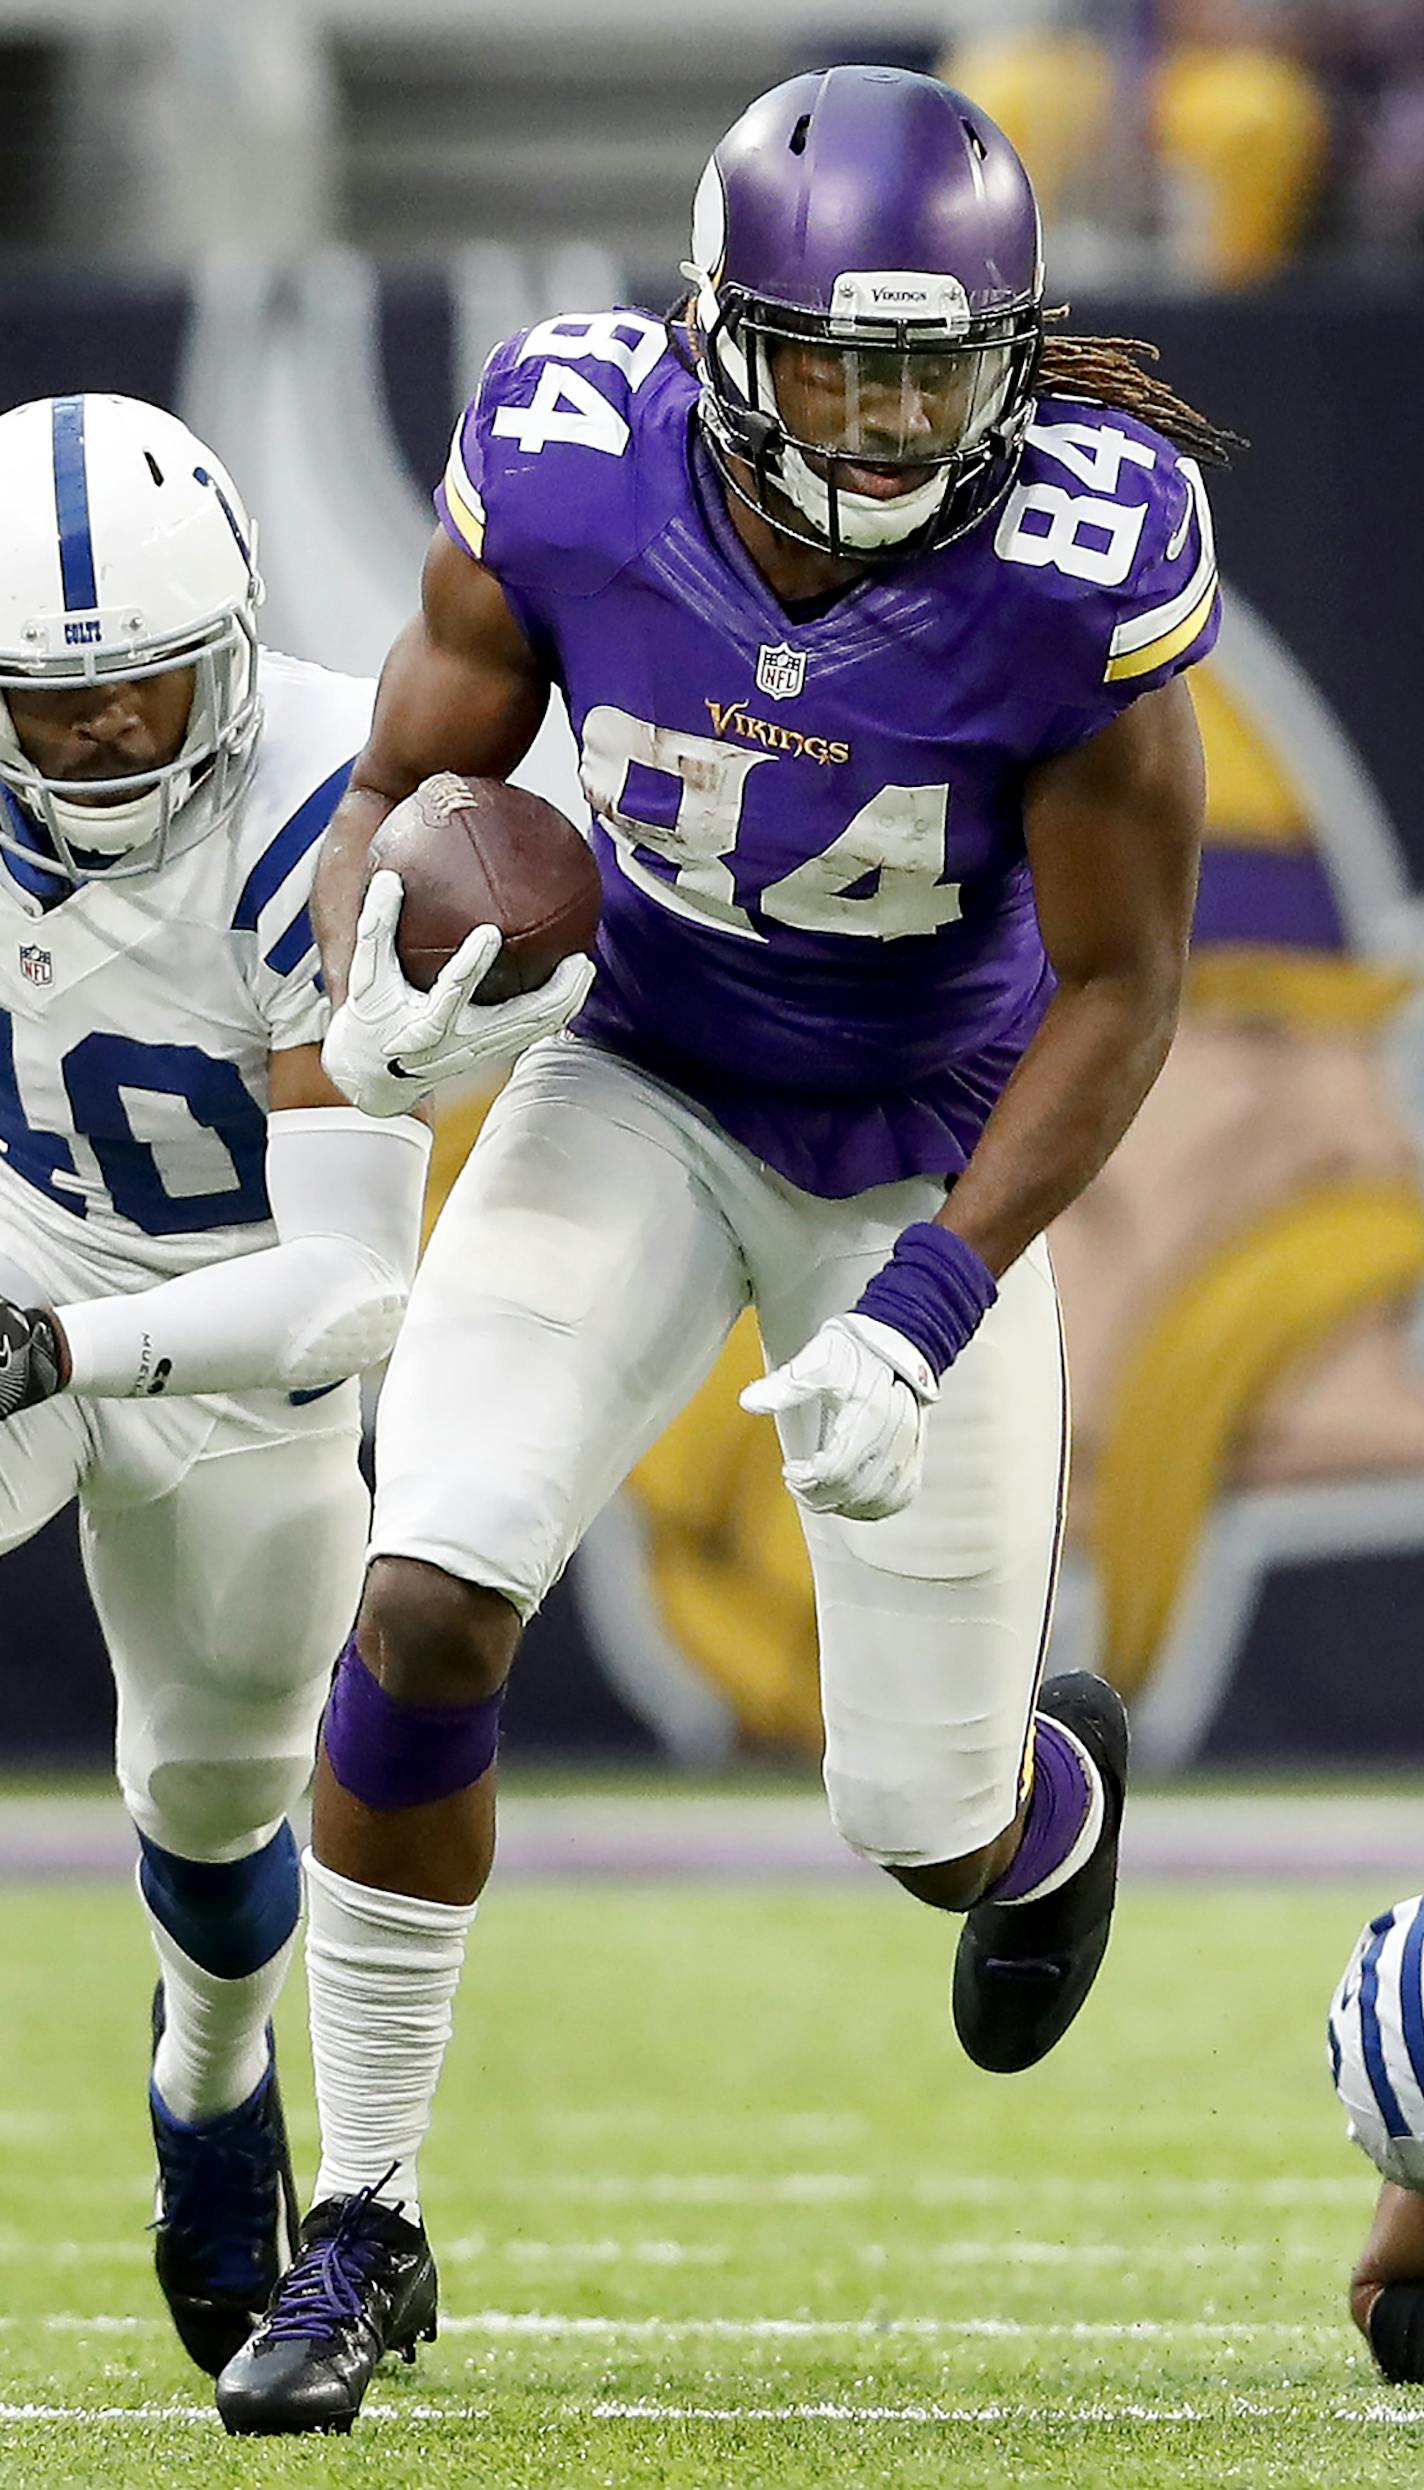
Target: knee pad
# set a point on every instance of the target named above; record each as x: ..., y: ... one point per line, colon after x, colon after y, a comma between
x: 210, y: 1809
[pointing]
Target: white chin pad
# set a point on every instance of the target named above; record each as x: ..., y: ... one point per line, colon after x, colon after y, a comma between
x: 863, y: 522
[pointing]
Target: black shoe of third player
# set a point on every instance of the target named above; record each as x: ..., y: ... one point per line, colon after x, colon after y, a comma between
x: 364, y: 2284
x: 226, y: 2220
x: 1023, y: 1969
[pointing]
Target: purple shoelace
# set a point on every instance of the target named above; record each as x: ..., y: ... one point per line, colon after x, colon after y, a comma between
x: 321, y: 2290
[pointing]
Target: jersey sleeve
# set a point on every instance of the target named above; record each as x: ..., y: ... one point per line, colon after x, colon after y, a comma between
x: 1112, y: 526
x: 542, y: 484
x: 274, y: 908
x: 1169, y: 612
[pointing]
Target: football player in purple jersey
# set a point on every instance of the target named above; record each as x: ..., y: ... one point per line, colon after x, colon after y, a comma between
x: 868, y: 605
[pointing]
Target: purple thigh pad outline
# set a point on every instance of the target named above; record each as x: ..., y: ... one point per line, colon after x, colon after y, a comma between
x: 389, y: 1754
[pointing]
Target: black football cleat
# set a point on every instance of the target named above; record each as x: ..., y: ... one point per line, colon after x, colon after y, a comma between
x: 363, y: 2284
x: 1023, y: 1969
x: 226, y: 2218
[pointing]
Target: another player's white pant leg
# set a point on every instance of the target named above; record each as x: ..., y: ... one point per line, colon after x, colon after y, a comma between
x: 933, y: 1625
x: 43, y: 1456
x: 579, y: 1284
x: 224, y: 1602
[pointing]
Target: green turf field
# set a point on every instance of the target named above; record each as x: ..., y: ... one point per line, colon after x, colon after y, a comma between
x: 718, y: 2203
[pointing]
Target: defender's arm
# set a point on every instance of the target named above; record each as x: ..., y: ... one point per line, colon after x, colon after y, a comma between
x: 461, y: 690
x: 321, y: 1304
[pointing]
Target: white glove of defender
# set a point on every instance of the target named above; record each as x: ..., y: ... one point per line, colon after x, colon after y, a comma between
x: 389, y: 1045
x: 873, y: 1387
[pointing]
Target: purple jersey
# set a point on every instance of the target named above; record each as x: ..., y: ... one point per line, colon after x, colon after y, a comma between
x: 818, y: 920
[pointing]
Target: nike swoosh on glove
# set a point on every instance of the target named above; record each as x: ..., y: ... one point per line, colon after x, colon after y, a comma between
x: 32, y: 1358
x: 873, y: 1387
x: 389, y: 1045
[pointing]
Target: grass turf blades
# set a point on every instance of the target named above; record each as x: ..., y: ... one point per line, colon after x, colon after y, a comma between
x: 716, y: 2199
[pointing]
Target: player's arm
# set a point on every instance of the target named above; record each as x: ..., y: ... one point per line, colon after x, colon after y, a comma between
x: 1114, y: 834
x: 1114, y: 840
x: 322, y: 1303
x: 1387, y: 2286
x: 461, y: 690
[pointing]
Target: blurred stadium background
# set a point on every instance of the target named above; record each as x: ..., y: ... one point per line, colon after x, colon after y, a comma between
x: 304, y: 222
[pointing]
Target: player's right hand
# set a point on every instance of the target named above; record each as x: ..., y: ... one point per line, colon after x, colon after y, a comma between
x: 389, y: 1045
x: 34, y: 1362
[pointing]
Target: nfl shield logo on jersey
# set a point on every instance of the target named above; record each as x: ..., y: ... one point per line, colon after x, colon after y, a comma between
x: 781, y: 671
x: 36, y: 964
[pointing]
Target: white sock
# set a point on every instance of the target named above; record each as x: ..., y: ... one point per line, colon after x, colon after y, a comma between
x: 213, y: 2054
x: 382, y: 1971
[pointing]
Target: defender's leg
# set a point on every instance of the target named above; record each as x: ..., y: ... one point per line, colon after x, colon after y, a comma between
x: 219, y: 1600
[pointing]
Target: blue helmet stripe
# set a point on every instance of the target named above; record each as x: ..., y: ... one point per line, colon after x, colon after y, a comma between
x: 201, y: 476
x: 1371, y: 2038
x: 71, y: 505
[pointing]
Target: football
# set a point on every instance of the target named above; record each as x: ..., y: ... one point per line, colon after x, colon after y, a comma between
x: 475, y: 851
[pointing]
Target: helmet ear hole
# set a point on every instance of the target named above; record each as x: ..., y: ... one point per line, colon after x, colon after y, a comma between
x: 153, y: 467
x: 799, y: 136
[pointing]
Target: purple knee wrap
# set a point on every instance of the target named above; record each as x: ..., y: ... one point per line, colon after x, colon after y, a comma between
x: 390, y: 1754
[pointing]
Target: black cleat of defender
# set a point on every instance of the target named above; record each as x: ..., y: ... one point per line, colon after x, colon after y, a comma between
x: 1023, y: 1969
x: 363, y: 2284
x: 226, y: 2220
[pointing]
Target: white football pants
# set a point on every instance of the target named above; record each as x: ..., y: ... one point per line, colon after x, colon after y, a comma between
x: 593, y: 1256
x: 223, y: 1539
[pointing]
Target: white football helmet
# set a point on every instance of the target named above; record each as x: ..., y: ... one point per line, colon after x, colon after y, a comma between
x: 126, y: 553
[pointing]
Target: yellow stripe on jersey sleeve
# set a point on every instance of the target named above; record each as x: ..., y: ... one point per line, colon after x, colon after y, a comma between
x: 1159, y: 652
x: 1154, y: 637
x: 466, y: 508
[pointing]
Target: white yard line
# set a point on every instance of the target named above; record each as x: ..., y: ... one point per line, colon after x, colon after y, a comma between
x: 1074, y: 2415
x: 551, y: 2326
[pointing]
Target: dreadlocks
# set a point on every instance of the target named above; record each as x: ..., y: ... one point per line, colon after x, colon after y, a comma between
x: 1108, y: 371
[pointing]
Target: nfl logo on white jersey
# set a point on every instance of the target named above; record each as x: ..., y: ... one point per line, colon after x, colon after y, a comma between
x: 36, y: 964
x: 781, y: 671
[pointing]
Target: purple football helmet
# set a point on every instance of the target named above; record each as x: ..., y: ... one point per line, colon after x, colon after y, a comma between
x: 869, y: 286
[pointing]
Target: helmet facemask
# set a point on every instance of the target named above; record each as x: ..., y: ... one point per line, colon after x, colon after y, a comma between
x: 128, y: 824
x: 868, y: 438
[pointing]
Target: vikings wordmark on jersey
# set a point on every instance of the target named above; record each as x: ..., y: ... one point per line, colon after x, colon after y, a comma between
x: 818, y: 919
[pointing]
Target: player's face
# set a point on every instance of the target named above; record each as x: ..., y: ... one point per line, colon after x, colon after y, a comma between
x: 104, y: 730
x: 885, y: 415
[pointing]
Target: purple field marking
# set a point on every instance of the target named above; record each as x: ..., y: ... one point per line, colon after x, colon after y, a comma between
x: 662, y: 1838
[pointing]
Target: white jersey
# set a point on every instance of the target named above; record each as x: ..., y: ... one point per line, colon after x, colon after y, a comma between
x: 137, y: 1017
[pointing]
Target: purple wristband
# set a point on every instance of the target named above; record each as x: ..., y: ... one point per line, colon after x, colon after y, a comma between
x: 935, y: 1289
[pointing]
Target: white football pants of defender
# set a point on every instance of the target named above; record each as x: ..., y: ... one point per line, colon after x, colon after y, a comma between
x: 594, y: 1253
x: 224, y: 1540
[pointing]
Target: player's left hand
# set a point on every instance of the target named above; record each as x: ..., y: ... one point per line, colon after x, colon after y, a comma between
x: 873, y: 1387
x: 34, y: 1361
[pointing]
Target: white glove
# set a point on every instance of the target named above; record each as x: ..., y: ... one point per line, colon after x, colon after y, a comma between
x: 873, y: 1387
x: 388, y: 1044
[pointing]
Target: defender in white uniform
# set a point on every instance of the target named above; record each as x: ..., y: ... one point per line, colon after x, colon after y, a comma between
x: 1375, y: 2036
x: 201, y: 1243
